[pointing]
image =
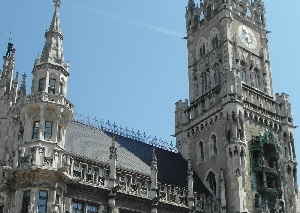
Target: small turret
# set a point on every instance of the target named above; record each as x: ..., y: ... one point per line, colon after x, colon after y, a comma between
x: 284, y: 106
x: 7, y: 81
x: 192, y: 15
x: 181, y: 114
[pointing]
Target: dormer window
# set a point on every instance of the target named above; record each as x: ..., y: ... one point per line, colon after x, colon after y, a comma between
x: 51, y: 88
x: 42, y: 83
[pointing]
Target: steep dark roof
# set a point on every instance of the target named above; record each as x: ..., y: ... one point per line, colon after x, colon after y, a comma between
x: 93, y: 144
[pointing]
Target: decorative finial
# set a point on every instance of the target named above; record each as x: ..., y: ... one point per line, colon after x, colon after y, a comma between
x: 154, y: 160
x: 113, y: 149
x: 9, y: 37
x: 24, y: 76
x: 57, y: 3
x: 190, y: 172
x: 17, y: 76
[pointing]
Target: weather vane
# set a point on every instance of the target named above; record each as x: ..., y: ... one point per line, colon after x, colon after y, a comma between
x: 9, y: 37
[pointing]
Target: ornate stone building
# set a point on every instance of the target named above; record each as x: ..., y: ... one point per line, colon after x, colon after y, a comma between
x: 235, y: 140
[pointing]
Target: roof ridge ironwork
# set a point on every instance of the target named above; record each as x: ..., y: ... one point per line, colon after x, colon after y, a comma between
x: 124, y: 132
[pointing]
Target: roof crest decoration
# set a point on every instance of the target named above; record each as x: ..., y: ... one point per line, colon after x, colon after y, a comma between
x: 125, y: 132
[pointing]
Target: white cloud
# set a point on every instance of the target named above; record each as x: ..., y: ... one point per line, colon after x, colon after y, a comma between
x: 130, y: 21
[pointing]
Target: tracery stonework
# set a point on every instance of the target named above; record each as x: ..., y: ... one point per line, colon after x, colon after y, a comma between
x: 235, y: 140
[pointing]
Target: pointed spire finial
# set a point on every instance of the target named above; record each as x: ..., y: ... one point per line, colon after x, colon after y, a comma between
x: 190, y: 169
x: 57, y: 3
x: 17, y: 76
x: 113, y: 149
x: 24, y: 76
x: 23, y: 84
x: 154, y: 160
x: 53, y: 48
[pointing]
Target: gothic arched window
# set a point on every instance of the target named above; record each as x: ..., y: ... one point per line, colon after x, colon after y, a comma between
x: 215, y: 41
x: 201, y: 146
x: 256, y: 80
x: 202, y: 50
x: 211, y: 180
x: 243, y: 74
x: 214, y: 144
x: 204, y: 84
x: 217, y: 76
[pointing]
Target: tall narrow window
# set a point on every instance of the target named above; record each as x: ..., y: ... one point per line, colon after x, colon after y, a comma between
x: 215, y: 41
x: 204, y: 84
x: 42, y: 83
x: 52, y: 83
x: 243, y: 75
x: 202, y: 50
x: 43, y: 197
x: 35, y: 130
x: 61, y: 86
x: 1, y: 209
x: 217, y: 77
x: 214, y: 143
x: 76, y: 170
x: 77, y: 207
x: 26, y: 201
x: 92, y: 209
x: 256, y: 79
x: 59, y: 133
x: 201, y: 151
x: 208, y: 12
x: 228, y: 136
x: 48, y: 130
x: 211, y: 180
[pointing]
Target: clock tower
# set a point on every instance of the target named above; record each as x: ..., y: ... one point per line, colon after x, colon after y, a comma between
x: 237, y: 134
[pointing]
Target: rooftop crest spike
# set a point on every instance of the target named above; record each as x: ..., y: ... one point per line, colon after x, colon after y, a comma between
x: 57, y: 3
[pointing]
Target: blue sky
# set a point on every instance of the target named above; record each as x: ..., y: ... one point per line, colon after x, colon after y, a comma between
x: 128, y: 63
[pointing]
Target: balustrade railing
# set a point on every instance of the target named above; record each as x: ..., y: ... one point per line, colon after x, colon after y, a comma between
x: 52, y: 98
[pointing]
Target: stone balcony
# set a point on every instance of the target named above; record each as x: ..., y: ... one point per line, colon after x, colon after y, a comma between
x: 50, y: 98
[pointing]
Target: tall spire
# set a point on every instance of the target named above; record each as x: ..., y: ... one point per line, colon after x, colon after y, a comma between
x: 55, y: 24
x: 53, y: 49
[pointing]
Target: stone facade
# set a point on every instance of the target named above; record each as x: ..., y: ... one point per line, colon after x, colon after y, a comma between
x: 232, y: 123
x: 235, y: 140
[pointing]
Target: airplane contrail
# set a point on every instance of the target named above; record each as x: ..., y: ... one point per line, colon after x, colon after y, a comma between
x: 130, y: 21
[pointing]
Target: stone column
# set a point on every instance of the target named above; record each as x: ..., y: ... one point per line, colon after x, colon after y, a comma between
x: 68, y: 204
x: 190, y: 179
x: 18, y: 200
x: 42, y: 122
x: 34, y: 200
x: 222, y: 191
x: 72, y: 166
x: 16, y: 159
x: 264, y: 179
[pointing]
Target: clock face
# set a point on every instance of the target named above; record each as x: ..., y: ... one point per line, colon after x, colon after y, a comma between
x: 247, y: 37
